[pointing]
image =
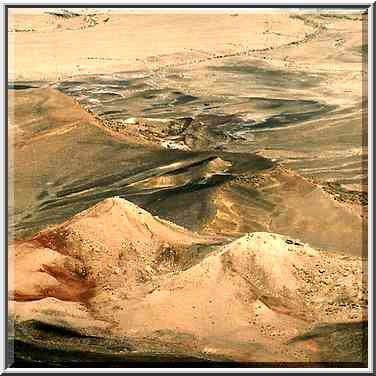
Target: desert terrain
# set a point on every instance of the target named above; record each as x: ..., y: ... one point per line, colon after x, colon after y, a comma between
x: 187, y: 188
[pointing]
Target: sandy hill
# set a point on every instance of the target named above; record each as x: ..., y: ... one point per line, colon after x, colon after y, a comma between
x: 76, y: 162
x: 115, y: 271
x: 152, y: 214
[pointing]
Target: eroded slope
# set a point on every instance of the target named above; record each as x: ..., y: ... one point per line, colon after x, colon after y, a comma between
x: 117, y: 272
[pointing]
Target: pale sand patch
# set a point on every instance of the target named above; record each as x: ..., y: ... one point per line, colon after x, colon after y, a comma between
x: 56, y: 48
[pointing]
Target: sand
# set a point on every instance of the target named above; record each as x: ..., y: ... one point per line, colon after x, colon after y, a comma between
x: 140, y: 276
x: 140, y: 39
x: 188, y: 188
